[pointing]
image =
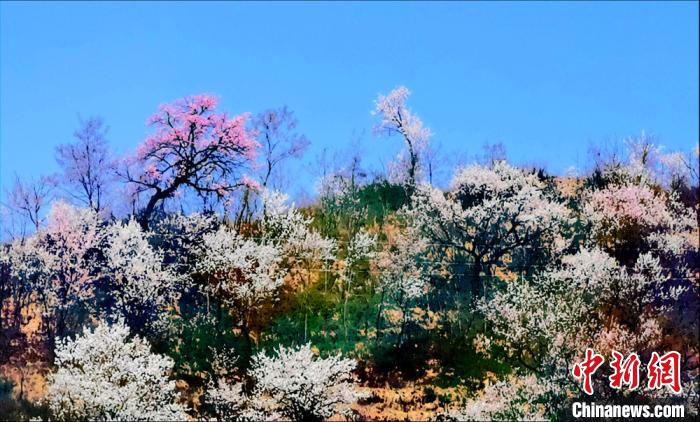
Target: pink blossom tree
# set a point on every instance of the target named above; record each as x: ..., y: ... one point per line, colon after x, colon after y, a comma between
x: 66, y: 263
x: 193, y: 147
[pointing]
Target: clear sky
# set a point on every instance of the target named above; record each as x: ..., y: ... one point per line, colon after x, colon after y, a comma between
x: 546, y: 79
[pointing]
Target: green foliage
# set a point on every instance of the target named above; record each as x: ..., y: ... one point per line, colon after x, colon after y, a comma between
x: 316, y: 315
x: 198, y: 336
x: 429, y: 395
x: 460, y: 364
x: 357, y: 207
x: 381, y: 199
x: 444, y: 399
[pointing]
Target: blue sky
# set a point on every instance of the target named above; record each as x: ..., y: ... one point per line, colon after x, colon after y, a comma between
x: 546, y: 79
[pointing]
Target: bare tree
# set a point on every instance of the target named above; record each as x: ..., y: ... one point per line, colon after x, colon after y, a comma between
x: 279, y: 140
x: 436, y: 162
x: 87, y: 164
x: 27, y: 199
x: 493, y: 153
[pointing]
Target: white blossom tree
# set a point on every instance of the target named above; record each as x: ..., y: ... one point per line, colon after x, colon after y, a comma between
x: 230, y: 402
x: 106, y: 375
x: 242, y: 271
x: 285, y: 226
x: 396, y: 118
x: 514, y: 398
x: 544, y: 322
x: 143, y: 286
x: 241, y: 275
x: 492, y: 216
x: 302, y: 386
x: 404, y: 268
x: 292, y: 384
x: 628, y: 218
x: 302, y: 248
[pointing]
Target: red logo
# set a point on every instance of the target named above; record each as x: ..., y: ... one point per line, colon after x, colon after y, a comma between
x: 665, y: 371
x: 661, y: 370
x: 624, y: 371
x: 587, y: 368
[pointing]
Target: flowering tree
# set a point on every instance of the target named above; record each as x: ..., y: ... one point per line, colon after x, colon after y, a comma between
x: 301, y: 386
x: 65, y: 247
x: 243, y: 272
x: 193, y: 147
x: 281, y: 222
x: 304, y: 387
x: 629, y: 218
x: 515, y: 398
x: 106, y: 375
x: 240, y: 273
x: 405, y: 275
x: 230, y: 402
x: 396, y: 118
x: 548, y: 317
x: 283, y: 225
x: 493, y: 216
x: 143, y: 286
x: 292, y: 384
x: 87, y: 164
x: 544, y: 322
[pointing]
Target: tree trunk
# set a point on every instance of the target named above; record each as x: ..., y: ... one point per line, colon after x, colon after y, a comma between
x: 477, y: 290
x: 378, y: 324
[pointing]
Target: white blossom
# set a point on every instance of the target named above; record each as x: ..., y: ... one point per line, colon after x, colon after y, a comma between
x: 285, y: 226
x: 63, y: 246
x: 514, y: 398
x: 490, y: 215
x: 402, y: 265
x: 556, y: 314
x: 301, y: 386
x: 137, y: 269
x: 292, y: 384
x: 104, y: 375
x: 243, y: 270
x: 397, y: 118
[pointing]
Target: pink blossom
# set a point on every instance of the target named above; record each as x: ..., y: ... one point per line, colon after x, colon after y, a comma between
x: 192, y: 146
x: 250, y: 183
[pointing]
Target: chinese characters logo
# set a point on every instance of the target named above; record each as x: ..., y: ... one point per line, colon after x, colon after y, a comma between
x: 662, y: 371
